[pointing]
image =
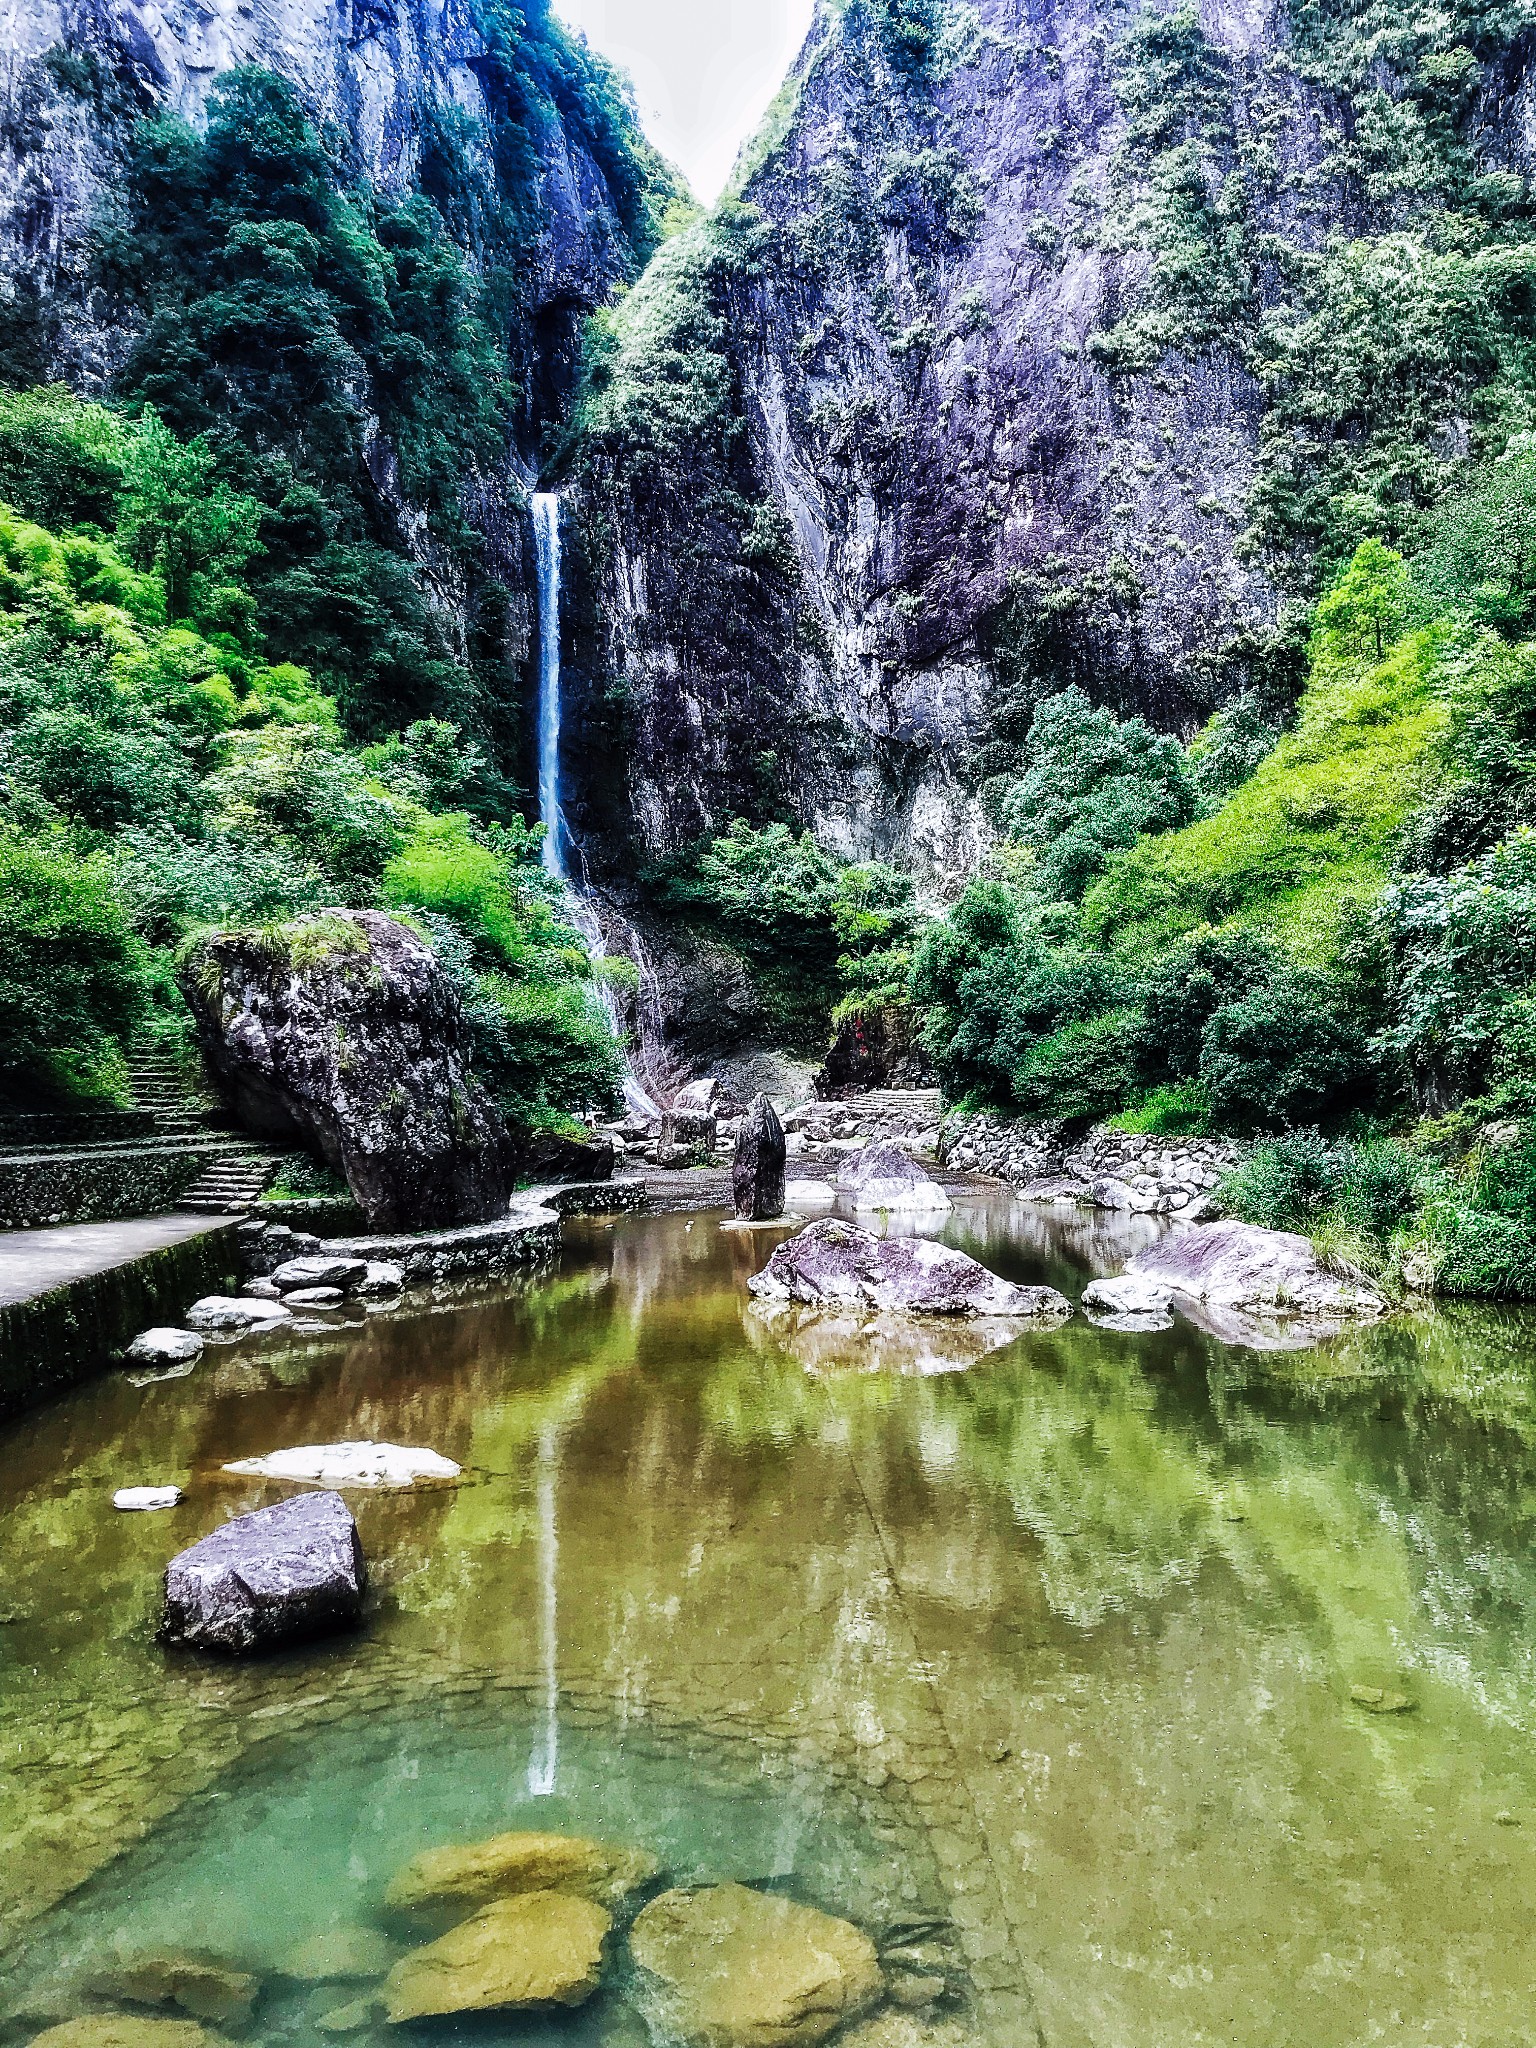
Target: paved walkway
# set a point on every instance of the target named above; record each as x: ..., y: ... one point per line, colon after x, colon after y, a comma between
x: 33, y: 1261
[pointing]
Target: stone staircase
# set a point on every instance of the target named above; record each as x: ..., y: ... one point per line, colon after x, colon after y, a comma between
x: 173, y: 1150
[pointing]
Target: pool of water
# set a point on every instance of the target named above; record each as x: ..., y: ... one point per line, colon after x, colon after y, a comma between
x: 1075, y: 1648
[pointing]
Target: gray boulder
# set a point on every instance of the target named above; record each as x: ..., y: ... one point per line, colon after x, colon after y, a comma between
x: 1251, y: 1282
x: 165, y: 1347
x: 833, y: 1264
x: 320, y: 1270
x: 1128, y: 1303
x: 563, y: 1156
x: 230, y: 1315
x: 689, y: 1129
x: 882, y: 1176
x: 340, y: 1032
x: 280, y: 1575
x: 757, y: 1170
x: 697, y: 1097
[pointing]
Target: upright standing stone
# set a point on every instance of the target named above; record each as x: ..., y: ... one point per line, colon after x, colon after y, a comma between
x: 757, y: 1171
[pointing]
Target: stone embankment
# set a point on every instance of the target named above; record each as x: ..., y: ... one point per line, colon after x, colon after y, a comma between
x: 1108, y: 1169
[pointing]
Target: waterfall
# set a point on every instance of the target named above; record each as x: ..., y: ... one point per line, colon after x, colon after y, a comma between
x: 546, y: 542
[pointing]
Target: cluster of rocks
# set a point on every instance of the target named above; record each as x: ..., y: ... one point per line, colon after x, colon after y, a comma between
x: 1109, y: 1169
x: 531, y: 1922
x: 912, y: 1115
x: 704, y: 1122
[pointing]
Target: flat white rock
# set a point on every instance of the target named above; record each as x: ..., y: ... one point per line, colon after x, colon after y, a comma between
x: 234, y: 1312
x: 143, y: 1498
x: 809, y: 1194
x: 355, y: 1464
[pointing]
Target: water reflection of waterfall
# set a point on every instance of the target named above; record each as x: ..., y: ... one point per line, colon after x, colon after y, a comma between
x: 546, y: 541
x: 544, y: 1764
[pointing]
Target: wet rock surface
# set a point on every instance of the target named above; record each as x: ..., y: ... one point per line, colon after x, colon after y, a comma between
x: 279, y: 1575
x: 834, y: 1264
x: 757, y: 1169
x: 461, y: 1876
x: 232, y: 1315
x: 340, y: 1032
x: 537, y: 1949
x: 352, y: 1464
x: 729, y: 1967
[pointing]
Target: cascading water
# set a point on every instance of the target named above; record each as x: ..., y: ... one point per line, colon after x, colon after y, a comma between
x: 546, y: 542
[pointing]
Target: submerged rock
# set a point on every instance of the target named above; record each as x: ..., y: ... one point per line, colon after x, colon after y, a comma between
x: 467, y: 1874
x: 355, y: 1464
x: 757, y: 1169
x: 275, y: 1576
x: 340, y: 1955
x: 906, y: 2030
x: 539, y: 1948
x: 124, y: 2030
x: 340, y: 1031
x: 882, y: 1176
x: 204, y: 1986
x: 165, y: 1346
x: 728, y: 1967
x: 1251, y: 1283
x: 833, y: 1264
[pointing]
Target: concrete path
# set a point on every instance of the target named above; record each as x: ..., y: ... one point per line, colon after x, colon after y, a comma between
x: 33, y: 1261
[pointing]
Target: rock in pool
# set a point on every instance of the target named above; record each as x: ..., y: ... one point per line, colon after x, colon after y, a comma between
x: 319, y: 1270
x: 340, y: 1955
x: 537, y: 1949
x: 145, y: 1499
x: 882, y: 1176
x: 314, y: 1297
x: 279, y: 1575
x: 359, y: 1464
x: 463, y: 1875
x: 1129, y: 1303
x: 124, y: 2030
x: 809, y: 1194
x: 382, y: 1276
x: 833, y: 1264
x: 1247, y: 1280
x: 203, y: 1986
x: 230, y: 1314
x: 165, y: 1347
x: 728, y: 1967
x: 757, y: 1168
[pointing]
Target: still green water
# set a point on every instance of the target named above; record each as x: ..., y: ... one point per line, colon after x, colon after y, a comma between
x: 1057, y: 1647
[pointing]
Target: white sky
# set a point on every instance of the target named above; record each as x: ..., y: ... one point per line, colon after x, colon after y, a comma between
x: 704, y: 70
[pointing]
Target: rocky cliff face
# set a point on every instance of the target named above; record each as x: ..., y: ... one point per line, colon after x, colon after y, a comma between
x: 995, y: 387
x: 379, y: 75
x: 413, y: 378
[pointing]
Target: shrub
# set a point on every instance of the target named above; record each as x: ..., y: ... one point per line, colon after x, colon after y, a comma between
x: 72, y: 972
x: 1183, y: 990
x: 1182, y: 1111
x: 1091, y: 784
x: 1081, y: 1072
x: 1282, y: 1054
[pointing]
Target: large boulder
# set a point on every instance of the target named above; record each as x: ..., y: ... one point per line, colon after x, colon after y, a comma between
x: 541, y: 1156
x: 729, y: 1967
x: 537, y: 1949
x: 882, y: 1176
x: 757, y: 1169
x: 1257, y: 1286
x: 341, y: 1032
x: 457, y: 1878
x: 279, y: 1575
x: 833, y: 1264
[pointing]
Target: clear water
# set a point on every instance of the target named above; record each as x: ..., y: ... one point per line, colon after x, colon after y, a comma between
x: 1060, y: 1646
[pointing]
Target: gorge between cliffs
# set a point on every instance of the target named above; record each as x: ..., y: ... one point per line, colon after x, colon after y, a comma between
x: 768, y: 1031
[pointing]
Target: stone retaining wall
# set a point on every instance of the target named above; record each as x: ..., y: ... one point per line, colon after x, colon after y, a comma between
x: 1107, y: 1169
x: 93, y: 1187
x: 53, y: 1341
